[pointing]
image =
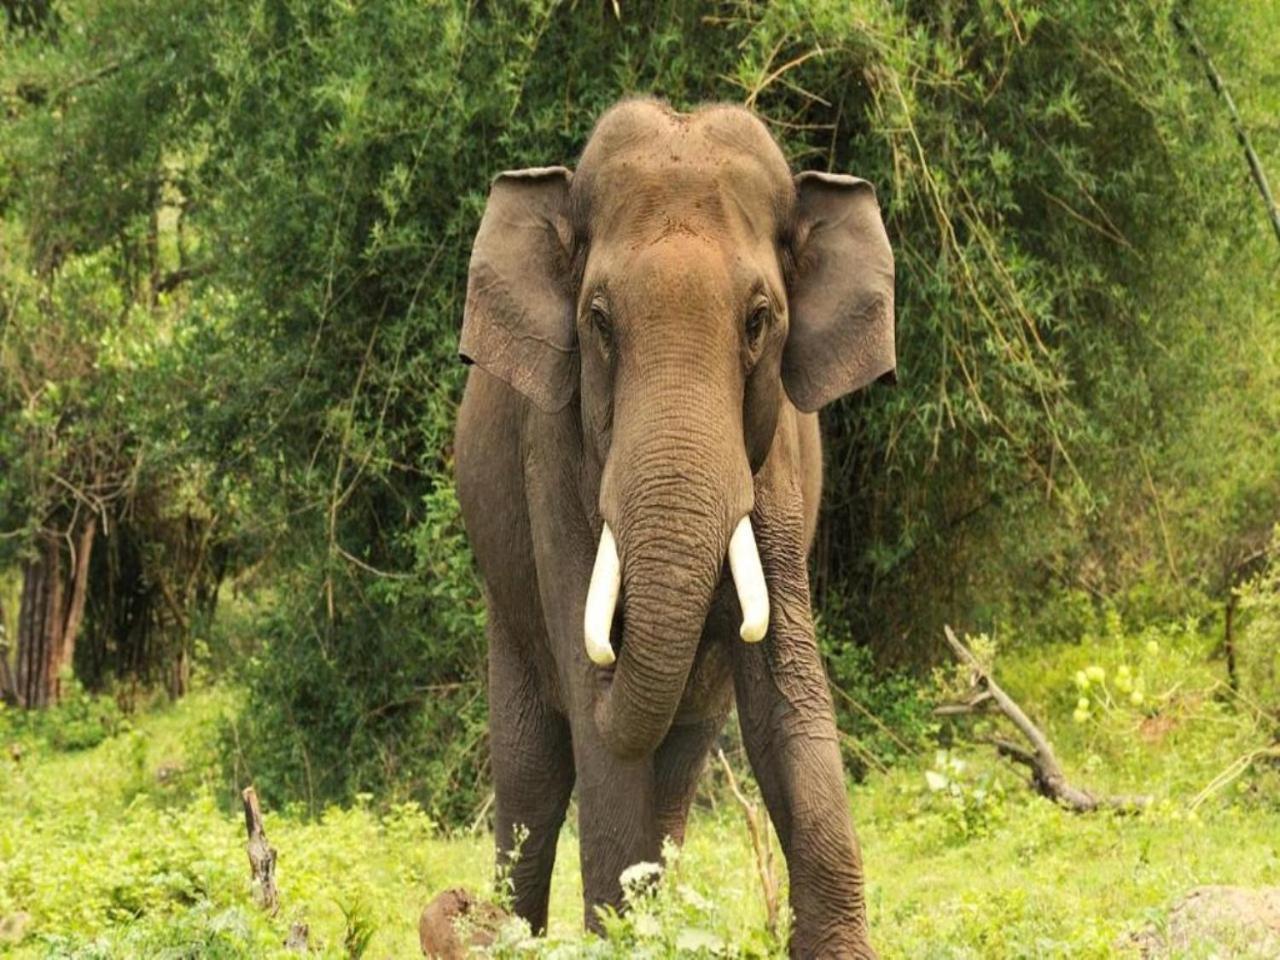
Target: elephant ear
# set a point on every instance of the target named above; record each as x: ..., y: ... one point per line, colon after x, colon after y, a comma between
x: 841, y: 297
x: 518, y: 320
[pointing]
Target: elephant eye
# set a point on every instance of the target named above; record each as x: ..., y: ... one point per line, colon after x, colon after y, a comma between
x: 602, y: 325
x: 756, y: 322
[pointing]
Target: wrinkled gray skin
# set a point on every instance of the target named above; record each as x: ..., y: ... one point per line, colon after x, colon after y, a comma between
x: 650, y: 337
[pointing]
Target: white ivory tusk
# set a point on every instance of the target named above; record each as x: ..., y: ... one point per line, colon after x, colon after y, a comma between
x: 748, y: 577
x: 602, y: 597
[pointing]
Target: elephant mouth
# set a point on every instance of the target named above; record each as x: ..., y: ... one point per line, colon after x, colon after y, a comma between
x: 617, y: 633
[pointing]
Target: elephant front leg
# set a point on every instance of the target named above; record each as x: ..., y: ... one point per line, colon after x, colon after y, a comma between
x: 788, y: 727
x: 532, y: 762
x: 617, y: 823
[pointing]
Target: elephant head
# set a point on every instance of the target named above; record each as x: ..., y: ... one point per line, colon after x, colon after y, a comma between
x: 673, y: 288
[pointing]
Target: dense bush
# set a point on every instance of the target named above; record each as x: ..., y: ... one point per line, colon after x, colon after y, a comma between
x: 80, y: 721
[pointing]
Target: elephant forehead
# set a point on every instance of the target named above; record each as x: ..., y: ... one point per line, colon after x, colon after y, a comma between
x: 648, y: 171
x: 649, y: 200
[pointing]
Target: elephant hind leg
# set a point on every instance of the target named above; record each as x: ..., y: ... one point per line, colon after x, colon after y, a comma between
x: 678, y: 764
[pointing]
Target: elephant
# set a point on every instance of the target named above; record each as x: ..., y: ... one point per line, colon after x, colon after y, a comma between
x: 639, y: 468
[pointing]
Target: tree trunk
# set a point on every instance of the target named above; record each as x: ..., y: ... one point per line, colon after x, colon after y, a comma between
x: 52, y: 609
x: 8, y: 686
x: 180, y: 672
x: 79, y: 590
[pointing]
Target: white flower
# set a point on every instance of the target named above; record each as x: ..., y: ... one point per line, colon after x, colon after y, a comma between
x: 639, y: 873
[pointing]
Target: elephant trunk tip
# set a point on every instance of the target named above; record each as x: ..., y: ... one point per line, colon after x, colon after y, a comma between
x: 623, y: 742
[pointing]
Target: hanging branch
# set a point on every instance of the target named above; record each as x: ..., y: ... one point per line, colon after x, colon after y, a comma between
x: 1047, y: 776
x: 1181, y: 24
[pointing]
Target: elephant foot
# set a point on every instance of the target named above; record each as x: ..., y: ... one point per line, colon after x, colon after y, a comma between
x: 831, y: 948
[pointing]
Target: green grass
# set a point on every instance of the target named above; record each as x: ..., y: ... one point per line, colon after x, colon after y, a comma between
x: 134, y: 847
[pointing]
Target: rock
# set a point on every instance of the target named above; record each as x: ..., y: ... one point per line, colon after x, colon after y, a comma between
x: 1240, y: 921
x: 297, y: 941
x: 14, y: 927
x: 169, y: 771
x: 454, y: 915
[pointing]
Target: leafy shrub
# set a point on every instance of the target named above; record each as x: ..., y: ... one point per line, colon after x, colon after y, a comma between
x: 884, y: 714
x: 80, y: 721
x: 1259, y: 643
x: 667, y: 917
x: 970, y: 800
x: 396, y: 715
x: 201, y: 933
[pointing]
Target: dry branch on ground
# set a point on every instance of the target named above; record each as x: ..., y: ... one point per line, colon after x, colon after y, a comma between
x: 1047, y: 776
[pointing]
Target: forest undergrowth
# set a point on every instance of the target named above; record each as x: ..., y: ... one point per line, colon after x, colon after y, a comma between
x: 125, y: 837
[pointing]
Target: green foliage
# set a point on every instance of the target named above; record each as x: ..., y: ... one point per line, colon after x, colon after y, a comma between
x: 884, y: 716
x: 135, y: 847
x: 669, y: 917
x: 399, y: 712
x: 194, y: 935
x: 1259, y: 643
x: 253, y: 292
x: 81, y: 720
x: 969, y: 802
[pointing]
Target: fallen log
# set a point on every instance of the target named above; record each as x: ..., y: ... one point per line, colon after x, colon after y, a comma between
x: 1047, y: 776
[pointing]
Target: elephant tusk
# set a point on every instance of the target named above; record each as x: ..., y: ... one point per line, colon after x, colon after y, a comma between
x: 748, y: 577
x: 602, y: 597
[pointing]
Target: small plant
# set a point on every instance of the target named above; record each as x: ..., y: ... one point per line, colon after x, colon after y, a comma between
x: 504, y: 882
x: 1127, y: 689
x: 970, y: 801
x: 359, y: 928
x: 666, y: 916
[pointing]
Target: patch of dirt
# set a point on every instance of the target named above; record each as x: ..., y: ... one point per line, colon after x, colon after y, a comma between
x: 1233, y: 921
x: 1153, y: 729
x: 14, y: 927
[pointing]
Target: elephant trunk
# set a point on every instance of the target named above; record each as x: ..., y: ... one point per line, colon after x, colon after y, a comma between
x: 683, y: 503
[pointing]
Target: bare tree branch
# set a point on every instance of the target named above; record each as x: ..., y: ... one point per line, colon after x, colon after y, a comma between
x: 759, y: 832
